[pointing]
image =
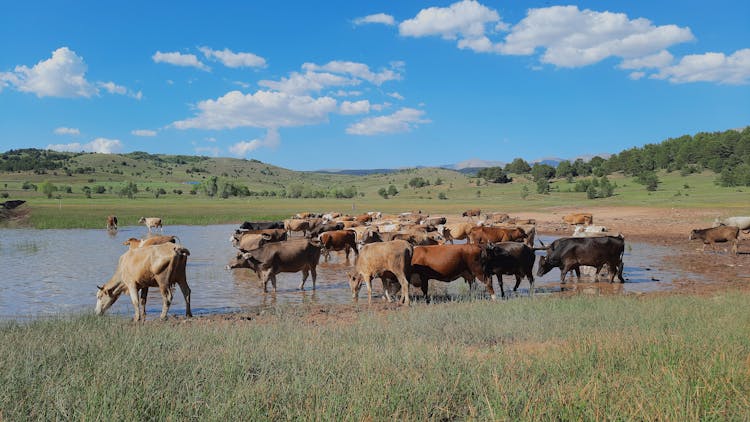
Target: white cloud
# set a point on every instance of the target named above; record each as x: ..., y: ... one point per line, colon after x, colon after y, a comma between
x: 660, y: 59
x: 263, y: 109
x: 381, y: 107
x: 113, y: 88
x: 355, y: 107
x: 62, y: 75
x: 302, y: 83
x: 358, y: 70
x: 212, y: 151
x: 381, y: 18
x: 143, y: 132
x: 231, y: 59
x: 710, y: 67
x: 342, y: 93
x: 403, y: 120
x: 179, y: 59
x: 636, y: 75
x: 395, y: 95
x: 101, y: 145
x: 242, y: 148
x: 67, y: 131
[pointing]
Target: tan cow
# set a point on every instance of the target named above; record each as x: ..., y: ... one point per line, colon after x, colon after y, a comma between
x: 456, y: 231
x: 579, y: 218
x: 133, y: 242
x: 479, y: 235
x: 160, y: 266
x: 716, y: 235
x: 384, y: 260
x: 472, y: 213
x: 298, y: 225
x: 152, y: 222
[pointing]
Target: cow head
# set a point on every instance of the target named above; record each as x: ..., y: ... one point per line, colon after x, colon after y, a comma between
x: 105, y: 297
x: 142, y: 220
x: 243, y: 260
x: 355, y: 282
x: 544, y: 266
x: 693, y: 234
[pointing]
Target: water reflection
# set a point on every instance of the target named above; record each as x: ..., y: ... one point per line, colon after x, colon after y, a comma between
x: 56, y: 271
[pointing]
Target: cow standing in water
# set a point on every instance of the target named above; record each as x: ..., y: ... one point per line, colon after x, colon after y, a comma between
x: 111, y: 222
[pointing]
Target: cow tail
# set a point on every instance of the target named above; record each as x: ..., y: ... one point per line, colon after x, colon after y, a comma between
x: 622, y: 265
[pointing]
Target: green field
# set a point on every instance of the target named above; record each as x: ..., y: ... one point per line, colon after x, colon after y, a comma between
x: 74, y: 210
x: 582, y: 358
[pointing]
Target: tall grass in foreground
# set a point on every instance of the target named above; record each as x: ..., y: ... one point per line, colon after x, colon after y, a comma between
x: 665, y: 358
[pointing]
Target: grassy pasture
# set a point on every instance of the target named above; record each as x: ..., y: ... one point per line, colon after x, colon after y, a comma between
x: 625, y: 358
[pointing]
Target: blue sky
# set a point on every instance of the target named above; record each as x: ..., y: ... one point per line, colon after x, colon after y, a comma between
x: 345, y: 84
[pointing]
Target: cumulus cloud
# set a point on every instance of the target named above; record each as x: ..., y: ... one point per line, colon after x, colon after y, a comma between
x: 636, y: 75
x: 242, y: 148
x: 101, y: 145
x: 67, y: 131
x: 179, y: 59
x: 660, y: 59
x: 358, y: 71
x: 143, y: 132
x: 465, y: 20
x: 710, y: 67
x: 342, y: 93
x: 212, y: 151
x: 302, y: 83
x: 231, y: 59
x: 395, y: 95
x: 355, y: 107
x: 404, y: 120
x: 62, y: 75
x: 381, y: 18
x: 263, y: 109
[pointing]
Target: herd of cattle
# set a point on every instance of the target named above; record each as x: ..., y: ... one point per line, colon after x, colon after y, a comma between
x: 408, y: 248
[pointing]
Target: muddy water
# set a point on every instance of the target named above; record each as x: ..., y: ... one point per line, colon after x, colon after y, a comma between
x: 49, y: 272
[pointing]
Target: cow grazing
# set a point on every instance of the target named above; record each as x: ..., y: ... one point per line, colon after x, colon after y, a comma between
x: 325, y: 227
x: 479, y: 235
x: 160, y: 266
x: 387, y: 260
x: 579, y: 218
x: 281, y: 257
x: 447, y: 263
x: 111, y: 222
x: 152, y: 222
x: 570, y: 253
x: 510, y: 258
x: 339, y: 240
x: 133, y: 243
x: 716, y: 235
x: 261, y: 225
x: 472, y: 213
x: 743, y: 223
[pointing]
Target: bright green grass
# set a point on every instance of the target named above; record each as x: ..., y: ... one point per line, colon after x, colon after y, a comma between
x: 584, y: 358
x: 74, y: 210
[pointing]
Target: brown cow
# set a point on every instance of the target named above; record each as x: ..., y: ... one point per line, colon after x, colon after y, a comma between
x: 281, y: 257
x: 111, y: 222
x: 415, y: 237
x: 715, y: 235
x: 249, y: 241
x: 472, y: 213
x: 387, y: 260
x: 456, y: 231
x: 160, y: 266
x: 298, y: 225
x: 363, y: 218
x: 447, y: 263
x: 152, y: 222
x: 479, y: 235
x: 579, y: 218
x: 338, y: 240
x: 133, y: 243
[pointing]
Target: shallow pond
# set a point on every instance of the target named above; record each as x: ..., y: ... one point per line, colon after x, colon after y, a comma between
x: 50, y: 272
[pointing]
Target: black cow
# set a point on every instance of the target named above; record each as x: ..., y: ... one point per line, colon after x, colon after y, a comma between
x: 325, y: 227
x: 261, y: 225
x: 510, y: 258
x: 569, y: 253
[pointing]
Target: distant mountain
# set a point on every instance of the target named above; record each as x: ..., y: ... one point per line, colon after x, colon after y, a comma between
x: 357, y: 172
x: 476, y: 163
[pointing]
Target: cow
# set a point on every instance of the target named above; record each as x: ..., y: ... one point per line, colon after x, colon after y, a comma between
x: 261, y: 225
x: 743, y: 223
x: 387, y: 228
x: 387, y: 260
x: 133, y: 243
x: 152, y: 222
x: 569, y: 253
x: 510, y: 258
x: 281, y: 257
x: 376, y: 215
x: 433, y: 221
x: 579, y: 218
x: 496, y: 217
x: 338, y: 240
x: 447, y: 263
x: 479, y: 235
x: 325, y: 227
x: 160, y: 266
x: 456, y: 231
x: 350, y: 224
x: 298, y: 225
x: 472, y: 213
x: 589, y: 229
x: 111, y: 222
x: 416, y: 238
x: 363, y: 218
x: 716, y: 235
x: 249, y: 241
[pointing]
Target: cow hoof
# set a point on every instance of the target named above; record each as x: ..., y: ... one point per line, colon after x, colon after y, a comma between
x: 493, y: 297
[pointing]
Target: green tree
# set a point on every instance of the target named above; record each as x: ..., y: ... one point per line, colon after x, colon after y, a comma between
x: 442, y: 196
x: 542, y: 186
x: 392, y: 191
x: 494, y: 175
x: 524, y: 192
x: 48, y: 188
x: 383, y: 192
x: 518, y: 166
x: 649, y: 179
x: 542, y: 171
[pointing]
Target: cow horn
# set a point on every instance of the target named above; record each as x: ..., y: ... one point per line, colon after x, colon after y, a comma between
x: 100, y: 287
x: 542, y: 243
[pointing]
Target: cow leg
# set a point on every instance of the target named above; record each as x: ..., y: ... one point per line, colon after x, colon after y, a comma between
x: 488, y: 283
x: 368, y: 283
x: 314, y: 273
x: 734, y: 247
x: 404, y: 288
x: 144, y: 295
x: 423, y: 284
x: 500, y: 284
x: 596, y: 274
x: 326, y: 255
x: 563, y: 273
x: 305, y: 273
x: 134, y: 299
x: 185, y: 289
x: 577, y: 269
x: 272, y: 277
x: 346, y: 252
x: 166, y: 300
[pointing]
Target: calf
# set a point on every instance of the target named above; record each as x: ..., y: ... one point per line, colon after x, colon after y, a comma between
x: 387, y: 260
x: 281, y: 257
x: 337, y: 241
x: 716, y: 235
x: 510, y: 258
